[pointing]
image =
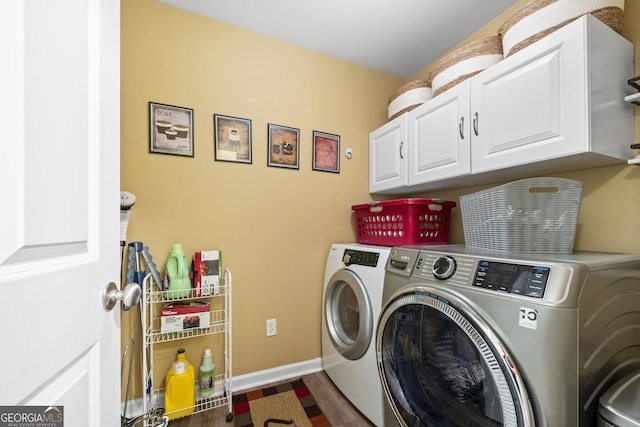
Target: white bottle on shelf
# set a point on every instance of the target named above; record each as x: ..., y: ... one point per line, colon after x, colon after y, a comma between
x: 207, y: 375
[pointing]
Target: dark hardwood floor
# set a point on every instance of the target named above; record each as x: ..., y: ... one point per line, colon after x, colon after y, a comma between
x: 332, y: 403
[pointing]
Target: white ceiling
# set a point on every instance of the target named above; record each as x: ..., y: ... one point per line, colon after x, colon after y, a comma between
x: 399, y: 37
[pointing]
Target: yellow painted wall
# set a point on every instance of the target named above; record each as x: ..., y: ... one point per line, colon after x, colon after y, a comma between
x: 273, y: 225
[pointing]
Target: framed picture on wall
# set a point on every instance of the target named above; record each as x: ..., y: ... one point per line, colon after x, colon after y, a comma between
x: 170, y: 129
x: 232, y: 137
x: 284, y: 146
x: 326, y: 152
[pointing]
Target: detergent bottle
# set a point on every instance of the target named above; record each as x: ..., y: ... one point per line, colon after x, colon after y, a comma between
x: 179, y: 393
x: 177, y: 280
x: 207, y: 375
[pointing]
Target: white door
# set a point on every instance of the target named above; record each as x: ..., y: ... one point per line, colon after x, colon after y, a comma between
x: 388, y: 156
x: 59, y: 226
x: 440, y: 137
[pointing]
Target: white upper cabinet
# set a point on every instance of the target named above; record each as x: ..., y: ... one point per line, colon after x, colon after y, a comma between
x: 555, y: 106
x: 439, y: 139
x: 564, y: 95
x: 388, y: 156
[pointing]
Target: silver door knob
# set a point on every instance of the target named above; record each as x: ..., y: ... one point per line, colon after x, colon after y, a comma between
x: 130, y: 296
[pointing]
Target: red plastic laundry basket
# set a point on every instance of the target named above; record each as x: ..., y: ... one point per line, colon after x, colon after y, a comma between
x: 399, y: 222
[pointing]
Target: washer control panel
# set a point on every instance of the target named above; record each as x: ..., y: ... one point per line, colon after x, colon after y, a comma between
x: 452, y: 269
x: 526, y: 280
x: 517, y: 278
x: 367, y: 259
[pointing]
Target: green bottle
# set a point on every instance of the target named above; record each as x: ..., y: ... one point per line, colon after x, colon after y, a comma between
x: 177, y: 281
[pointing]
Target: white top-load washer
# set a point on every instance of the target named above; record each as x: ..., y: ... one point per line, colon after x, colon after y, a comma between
x: 351, y: 303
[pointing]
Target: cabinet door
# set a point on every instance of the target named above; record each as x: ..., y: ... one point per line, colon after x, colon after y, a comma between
x: 533, y: 105
x: 439, y: 137
x: 388, y: 156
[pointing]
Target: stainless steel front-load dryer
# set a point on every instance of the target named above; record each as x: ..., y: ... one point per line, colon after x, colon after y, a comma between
x: 478, y: 338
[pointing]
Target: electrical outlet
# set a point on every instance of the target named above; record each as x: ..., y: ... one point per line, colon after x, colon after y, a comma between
x: 271, y: 327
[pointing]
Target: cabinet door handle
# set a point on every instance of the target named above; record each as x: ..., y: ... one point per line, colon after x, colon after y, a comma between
x: 461, y: 127
x: 475, y: 123
x: 401, y: 144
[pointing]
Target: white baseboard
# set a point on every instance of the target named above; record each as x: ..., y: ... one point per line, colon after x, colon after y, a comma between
x: 248, y: 381
x: 280, y: 373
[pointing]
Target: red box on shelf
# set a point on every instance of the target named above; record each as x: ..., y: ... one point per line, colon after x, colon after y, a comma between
x: 182, y: 316
x: 205, y: 272
x: 399, y: 222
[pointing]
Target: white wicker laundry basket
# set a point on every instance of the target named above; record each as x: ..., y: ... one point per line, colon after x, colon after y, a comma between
x: 536, y: 215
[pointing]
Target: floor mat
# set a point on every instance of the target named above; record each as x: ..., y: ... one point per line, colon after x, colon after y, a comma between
x: 285, y: 404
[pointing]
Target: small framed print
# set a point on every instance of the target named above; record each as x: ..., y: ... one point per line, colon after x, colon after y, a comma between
x: 284, y: 146
x: 326, y: 152
x: 232, y: 139
x: 170, y: 129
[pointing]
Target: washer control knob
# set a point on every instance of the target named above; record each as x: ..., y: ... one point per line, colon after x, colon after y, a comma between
x: 346, y: 258
x: 444, y: 267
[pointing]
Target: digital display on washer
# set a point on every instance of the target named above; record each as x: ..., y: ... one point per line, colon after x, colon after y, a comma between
x: 367, y: 259
x: 517, y: 279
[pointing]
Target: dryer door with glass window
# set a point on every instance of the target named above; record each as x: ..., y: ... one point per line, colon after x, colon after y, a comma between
x: 441, y: 365
x: 348, y: 314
